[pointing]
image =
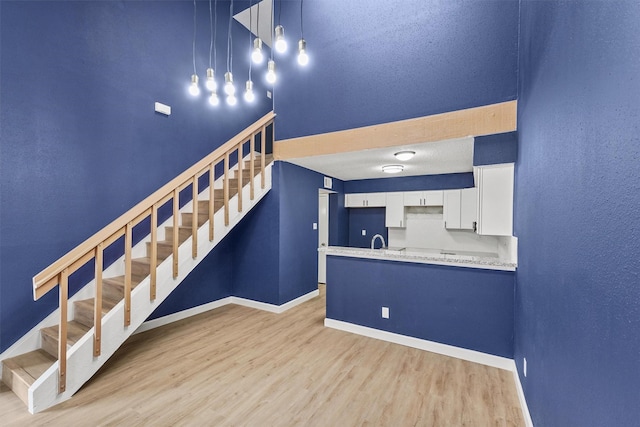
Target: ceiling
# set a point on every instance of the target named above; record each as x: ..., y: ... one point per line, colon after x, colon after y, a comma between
x: 260, y: 28
x: 432, y: 158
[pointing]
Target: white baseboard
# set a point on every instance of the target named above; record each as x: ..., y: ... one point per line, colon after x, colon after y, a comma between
x: 432, y: 346
x: 523, y: 402
x: 444, y: 349
x: 170, y: 318
x: 274, y: 308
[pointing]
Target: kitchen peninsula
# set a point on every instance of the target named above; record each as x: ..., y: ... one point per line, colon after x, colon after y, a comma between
x: 460, y: 300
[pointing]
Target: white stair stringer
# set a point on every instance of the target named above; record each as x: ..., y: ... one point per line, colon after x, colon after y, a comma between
x: 81, y: 364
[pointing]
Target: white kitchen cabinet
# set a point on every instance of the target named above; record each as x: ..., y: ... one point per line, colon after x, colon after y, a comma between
x: 394, y: 215
x: 424, y: 198
x: 365, y: 200
x: 495, y: 199
x: 460, y: 208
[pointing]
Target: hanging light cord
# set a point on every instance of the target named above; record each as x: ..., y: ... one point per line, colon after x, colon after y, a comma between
x: 211, y: 33
x: 250, y: 30
x: 215, y: 34
x: 229, y: 40
x: 273, y: 8
x: 279, y: 11
x: 301, y: 27
x: 194, y: 37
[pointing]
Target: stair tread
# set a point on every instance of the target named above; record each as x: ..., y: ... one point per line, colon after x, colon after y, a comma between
x: 106, y: 304
x: 30, y: 366
x: 75, y: 331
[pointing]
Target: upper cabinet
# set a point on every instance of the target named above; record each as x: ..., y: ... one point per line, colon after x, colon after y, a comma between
x: 394, y: 215
x: 365, y: 200
x: 460, y: 209
x: 424, y: 198
x: 495, y: 199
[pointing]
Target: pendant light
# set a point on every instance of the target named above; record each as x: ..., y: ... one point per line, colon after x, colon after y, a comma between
x: 194, y: 89
x: 229, y: 88
x: 248, y: 93
x: 211, y: 84
x: 271, y: 65
x: 256, y: 55
x: 303, y: 58
x: 281, y: 42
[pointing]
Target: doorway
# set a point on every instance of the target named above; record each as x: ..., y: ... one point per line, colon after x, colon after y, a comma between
x: 323, y: 234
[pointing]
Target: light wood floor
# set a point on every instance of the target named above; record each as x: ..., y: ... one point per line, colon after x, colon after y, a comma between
x: 237, y: 366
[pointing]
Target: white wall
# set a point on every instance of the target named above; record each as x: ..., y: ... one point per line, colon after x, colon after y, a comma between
x: 425, y: 230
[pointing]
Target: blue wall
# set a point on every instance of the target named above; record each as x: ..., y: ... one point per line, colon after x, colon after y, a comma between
x: 447, y: 181
x: 370, y: 219
x: 390, y: 61
x: 464, y: 307
x: 495, y: 149
x: 577, y: 198
x: 80, y: 142
x: 276, y: 247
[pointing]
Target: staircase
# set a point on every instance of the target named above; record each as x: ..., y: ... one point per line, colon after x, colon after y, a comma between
x: 63, y: 356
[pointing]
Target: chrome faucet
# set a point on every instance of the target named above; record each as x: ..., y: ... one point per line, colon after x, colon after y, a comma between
x: 373, y: 240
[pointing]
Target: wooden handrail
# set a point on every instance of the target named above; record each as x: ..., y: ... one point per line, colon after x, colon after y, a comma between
x: 47, y: 279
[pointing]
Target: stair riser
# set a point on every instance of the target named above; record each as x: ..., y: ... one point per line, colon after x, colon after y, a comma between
x: 112, y: 292
x: 203, y: 205
x: 15, y: 383
x: 183, y: 234
x: 187, y: 219
x: 83, y: 315
x: 50, y: 344
x: 164, y: 251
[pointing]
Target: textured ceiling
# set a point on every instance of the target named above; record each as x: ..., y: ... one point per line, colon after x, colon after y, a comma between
x: 432, y: 158
x: 250, y: 20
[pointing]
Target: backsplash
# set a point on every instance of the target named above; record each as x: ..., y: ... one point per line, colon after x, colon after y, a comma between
x: 425, y: 230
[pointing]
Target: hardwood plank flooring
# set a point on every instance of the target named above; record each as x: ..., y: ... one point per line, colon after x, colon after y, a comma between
x: 236, y: 366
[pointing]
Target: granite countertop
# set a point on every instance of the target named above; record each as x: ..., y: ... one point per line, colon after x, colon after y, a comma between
x: 425, y: 256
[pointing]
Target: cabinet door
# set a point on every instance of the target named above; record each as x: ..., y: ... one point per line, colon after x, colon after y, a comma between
x: 433, y: 198
x: 451, y: 209
x: 376, y: 200
x: 355, y: 200
x: 495, y: 200
x: 468, y: 208
x: 413, y: 198
x: 394, y: 215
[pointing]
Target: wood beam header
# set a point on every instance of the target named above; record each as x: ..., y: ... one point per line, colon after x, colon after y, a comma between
x: 485, y: 120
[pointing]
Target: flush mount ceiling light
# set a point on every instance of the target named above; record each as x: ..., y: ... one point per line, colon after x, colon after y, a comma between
x: 392, y: 168
x: 403, y: 156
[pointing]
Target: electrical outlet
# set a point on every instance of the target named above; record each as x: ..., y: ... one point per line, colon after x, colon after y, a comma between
x: 269, y: 94
x: 524, y: 363
x: 385, y: 312
x: 364, y: 232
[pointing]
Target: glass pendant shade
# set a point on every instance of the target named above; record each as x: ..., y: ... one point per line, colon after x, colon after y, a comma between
x: 303, y: 58
x: 281, y: 42
x: 194, y: 90
x: 271, y: 72
x: 213, y: 99
x: 256, y: 55
x: 211, y: 84
x: 248, y: 94
x: 229, y: 88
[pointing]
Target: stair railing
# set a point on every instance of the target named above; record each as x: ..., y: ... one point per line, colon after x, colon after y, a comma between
x: 57, y: 274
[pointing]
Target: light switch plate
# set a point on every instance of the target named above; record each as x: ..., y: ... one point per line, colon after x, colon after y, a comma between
x: 315, y: 225
x: 385, y: 312
x: 364, y: 232
x: 163, y: 109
